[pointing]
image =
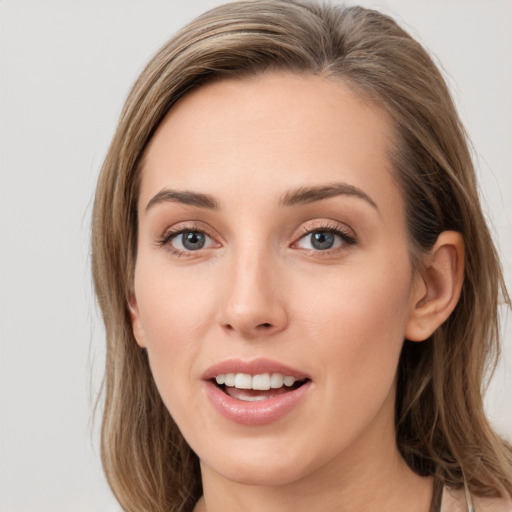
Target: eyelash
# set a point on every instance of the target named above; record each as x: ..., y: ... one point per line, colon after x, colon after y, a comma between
x: 165, y: 240
x: 346, y: 237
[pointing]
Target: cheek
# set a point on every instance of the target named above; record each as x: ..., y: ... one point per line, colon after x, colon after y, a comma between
x: 173, y: 305
x: 357, y: 321
x: 369, y: 296
x: 175, y: 311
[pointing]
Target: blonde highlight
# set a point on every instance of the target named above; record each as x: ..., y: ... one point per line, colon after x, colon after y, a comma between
x: 147, y: 462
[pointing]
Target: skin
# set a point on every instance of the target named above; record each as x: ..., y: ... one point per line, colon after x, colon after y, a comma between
x: 260, y: 289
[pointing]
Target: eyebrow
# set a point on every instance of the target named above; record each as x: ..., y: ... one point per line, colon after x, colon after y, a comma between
x: 184, y: 197
x: 304, y: 195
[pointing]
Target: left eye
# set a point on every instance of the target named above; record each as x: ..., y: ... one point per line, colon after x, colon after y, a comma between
x: 322, y: 240
x: 190, y: 241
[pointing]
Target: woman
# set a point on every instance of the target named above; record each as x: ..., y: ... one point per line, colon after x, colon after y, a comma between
x: 297, y: 282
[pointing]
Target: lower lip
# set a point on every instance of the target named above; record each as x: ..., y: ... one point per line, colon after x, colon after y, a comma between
x: 261, y: 412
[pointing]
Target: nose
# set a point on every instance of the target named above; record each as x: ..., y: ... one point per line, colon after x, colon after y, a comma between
x: 254, y: 298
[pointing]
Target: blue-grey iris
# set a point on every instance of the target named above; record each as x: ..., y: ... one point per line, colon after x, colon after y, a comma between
x: 193, y: 240
x: 322, y: 240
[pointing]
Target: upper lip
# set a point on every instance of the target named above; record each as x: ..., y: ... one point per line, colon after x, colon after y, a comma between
x: 253, y: 367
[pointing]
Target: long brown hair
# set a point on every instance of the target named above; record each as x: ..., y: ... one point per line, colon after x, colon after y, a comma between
x: 440, y: 422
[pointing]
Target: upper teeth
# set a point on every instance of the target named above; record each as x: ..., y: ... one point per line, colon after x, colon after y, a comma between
x: 261, y: 382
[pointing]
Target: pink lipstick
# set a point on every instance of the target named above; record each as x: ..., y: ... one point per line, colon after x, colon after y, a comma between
x: 255, y: 392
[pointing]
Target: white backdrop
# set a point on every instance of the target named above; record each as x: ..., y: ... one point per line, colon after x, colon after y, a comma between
x: 66, y: 68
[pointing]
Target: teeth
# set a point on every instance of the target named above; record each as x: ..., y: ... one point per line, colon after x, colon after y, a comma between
x: 243, y: 381
x: 276, y: 381
x: 261, y: 382
x: 289, y: 381
x: 229, y: 379
x: 252, y: 398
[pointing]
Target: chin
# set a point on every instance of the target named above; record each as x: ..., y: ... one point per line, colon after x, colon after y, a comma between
x: 265, y: 459
x: 261, y: 473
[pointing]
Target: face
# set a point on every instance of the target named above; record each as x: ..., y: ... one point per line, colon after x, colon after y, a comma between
x: 273, y: 286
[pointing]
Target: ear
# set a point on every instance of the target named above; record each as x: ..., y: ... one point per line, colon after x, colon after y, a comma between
x: 438, y: 286
x: 138, y: 330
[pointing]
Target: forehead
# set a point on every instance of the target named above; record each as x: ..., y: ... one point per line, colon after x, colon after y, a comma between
x: 286, y: 129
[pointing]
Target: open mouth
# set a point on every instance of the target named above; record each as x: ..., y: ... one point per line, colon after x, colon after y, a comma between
x: 252, y: 388
x: 257, y: 392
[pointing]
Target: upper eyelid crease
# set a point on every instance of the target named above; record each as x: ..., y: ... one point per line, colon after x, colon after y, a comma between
x: 347, y: 236
x: 183, y: 228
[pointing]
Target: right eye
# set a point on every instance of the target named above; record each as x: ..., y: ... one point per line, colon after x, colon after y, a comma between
x: 190, y: 240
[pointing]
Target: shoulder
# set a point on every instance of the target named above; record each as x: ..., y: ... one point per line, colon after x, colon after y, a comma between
x: 454, y: 500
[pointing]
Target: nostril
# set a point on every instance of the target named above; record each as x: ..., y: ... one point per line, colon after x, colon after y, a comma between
x: 266, y: 325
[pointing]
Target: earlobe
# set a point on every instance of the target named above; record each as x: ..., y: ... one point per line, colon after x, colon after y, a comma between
x: 439, y: 291
x: 138, y: 330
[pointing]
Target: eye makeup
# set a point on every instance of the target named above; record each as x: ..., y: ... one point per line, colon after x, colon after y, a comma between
x: 318, y: 237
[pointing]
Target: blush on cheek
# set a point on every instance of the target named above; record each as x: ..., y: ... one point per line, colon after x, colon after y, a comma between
x: 337, y: 317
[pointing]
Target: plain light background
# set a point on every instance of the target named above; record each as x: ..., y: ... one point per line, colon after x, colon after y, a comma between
x: 66, y: 68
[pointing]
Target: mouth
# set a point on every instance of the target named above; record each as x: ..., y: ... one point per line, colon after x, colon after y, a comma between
x: 257, y: 392
x: 254, y: 388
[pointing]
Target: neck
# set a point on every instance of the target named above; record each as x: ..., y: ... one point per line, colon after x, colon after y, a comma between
x: 370, y: 476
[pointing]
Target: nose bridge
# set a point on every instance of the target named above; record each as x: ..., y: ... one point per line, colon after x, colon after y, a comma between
x: 253, y: 303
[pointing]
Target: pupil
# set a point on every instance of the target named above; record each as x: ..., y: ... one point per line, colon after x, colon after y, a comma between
x: 193, y: 240
x: 322, y: 240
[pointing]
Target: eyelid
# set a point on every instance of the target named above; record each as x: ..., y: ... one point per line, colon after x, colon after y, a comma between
x: 164, y: 240
x: 347, y: 234
x: 326, y: 225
